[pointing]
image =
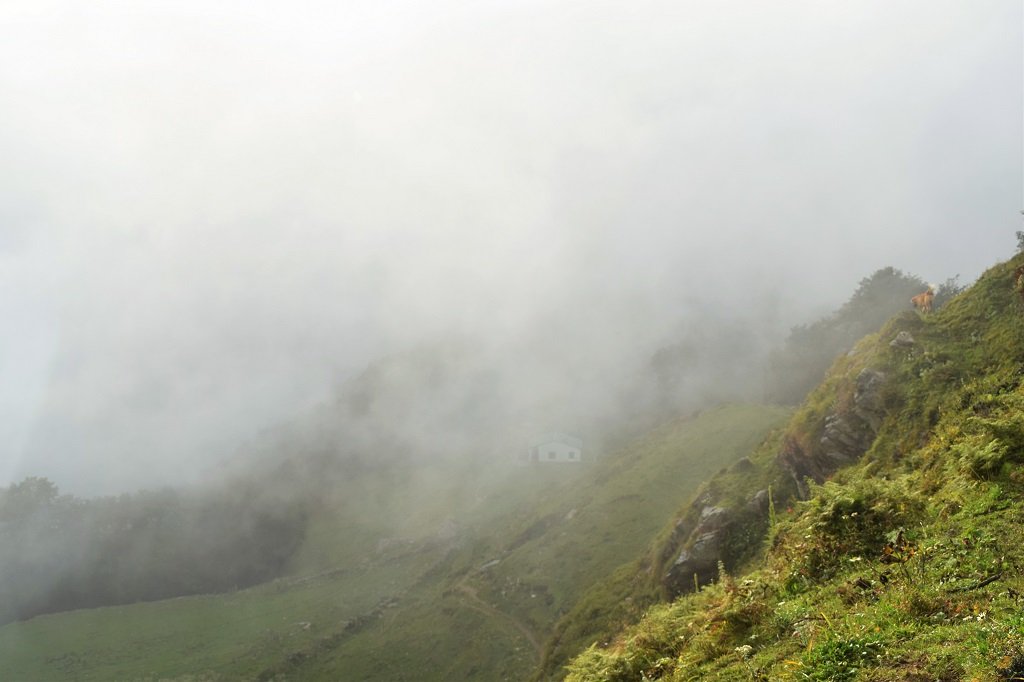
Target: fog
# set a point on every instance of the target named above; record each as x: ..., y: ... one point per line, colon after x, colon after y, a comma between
x: 214, y: 216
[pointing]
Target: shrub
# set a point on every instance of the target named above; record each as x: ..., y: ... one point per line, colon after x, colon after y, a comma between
x: 841, y: 658
x: 858, y: 518
x: 978, y: 458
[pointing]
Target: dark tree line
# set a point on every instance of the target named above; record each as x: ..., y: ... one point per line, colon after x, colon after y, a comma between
x: 59, y: 552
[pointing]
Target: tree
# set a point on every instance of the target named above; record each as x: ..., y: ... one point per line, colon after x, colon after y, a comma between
x: 947, y: 291
x: 21, y: 500
x: 810, y: 349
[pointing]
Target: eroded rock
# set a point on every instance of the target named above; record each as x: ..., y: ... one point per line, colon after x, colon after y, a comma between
x: 702, y: 552
x: 903, y: 340
x: 759, y: 502
x: 846, y: 436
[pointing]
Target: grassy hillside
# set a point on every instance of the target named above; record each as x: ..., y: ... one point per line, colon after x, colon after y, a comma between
x: 900, y: 563
x: 466, y: 594
x: 609, y: 605
x: 239, y: 635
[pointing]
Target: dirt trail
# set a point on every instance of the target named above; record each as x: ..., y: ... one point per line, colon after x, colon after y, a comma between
x: 477, y: 604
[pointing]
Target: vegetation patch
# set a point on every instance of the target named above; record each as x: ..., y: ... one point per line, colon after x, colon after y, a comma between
x: 904, y: 565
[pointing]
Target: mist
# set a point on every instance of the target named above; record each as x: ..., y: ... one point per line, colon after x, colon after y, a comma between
x: 214, y: 218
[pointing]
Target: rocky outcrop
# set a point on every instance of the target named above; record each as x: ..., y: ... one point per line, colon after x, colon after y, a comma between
x: 903, y: 340
x: 759, y: 502
x: 702, y: 552
x: 846, y: 436
x: 723, y: 527
x: 741, y: 465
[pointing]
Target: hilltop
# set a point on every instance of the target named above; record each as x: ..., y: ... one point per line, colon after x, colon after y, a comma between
x: 879, y: 537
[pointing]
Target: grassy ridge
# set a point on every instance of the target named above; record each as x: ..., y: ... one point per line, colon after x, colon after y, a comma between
x: 418, y: 606
x: 903, y: 566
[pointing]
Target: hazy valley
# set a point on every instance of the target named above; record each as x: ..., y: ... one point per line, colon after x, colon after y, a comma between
x: 533, y: 341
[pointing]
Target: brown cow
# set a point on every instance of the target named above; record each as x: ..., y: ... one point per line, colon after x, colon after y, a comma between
x: 923, y: 302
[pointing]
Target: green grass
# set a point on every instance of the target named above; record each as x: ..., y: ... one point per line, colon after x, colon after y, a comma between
x: 630, y: 519
x: 904, y: 566
x: 225, y: 636
x: 555, y: 532
x: 402, y: 612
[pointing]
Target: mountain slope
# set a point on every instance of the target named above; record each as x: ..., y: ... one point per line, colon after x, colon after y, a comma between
x: 893, y: 552
x: 530, y: 553
x: 469, y: 597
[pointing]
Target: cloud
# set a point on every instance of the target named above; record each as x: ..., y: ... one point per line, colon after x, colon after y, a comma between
x: 220, y: 208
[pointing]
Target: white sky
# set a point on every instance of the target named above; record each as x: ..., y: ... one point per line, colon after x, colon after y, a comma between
x: 208, y: 210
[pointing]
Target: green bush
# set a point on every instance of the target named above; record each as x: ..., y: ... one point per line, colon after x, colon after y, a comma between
x: 978, y: 458
x: 852, y: 519
x: 841, y: 658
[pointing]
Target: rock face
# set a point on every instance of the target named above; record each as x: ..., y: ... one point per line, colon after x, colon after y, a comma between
x: 702, y: 552
x: 846, y: 436
x: 743, y: 464
x: 759, y: 502
x: 903, y: 340
x: 716, y: 528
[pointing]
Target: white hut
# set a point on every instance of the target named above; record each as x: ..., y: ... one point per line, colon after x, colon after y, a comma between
x: 556, y: 447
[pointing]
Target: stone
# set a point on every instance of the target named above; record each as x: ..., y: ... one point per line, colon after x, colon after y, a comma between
x: 712, y: 518
x: 743, y: 464
x: 758, y: 502
x: 903, y: 340
x: 846, y: 435
x: 703, y: 551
